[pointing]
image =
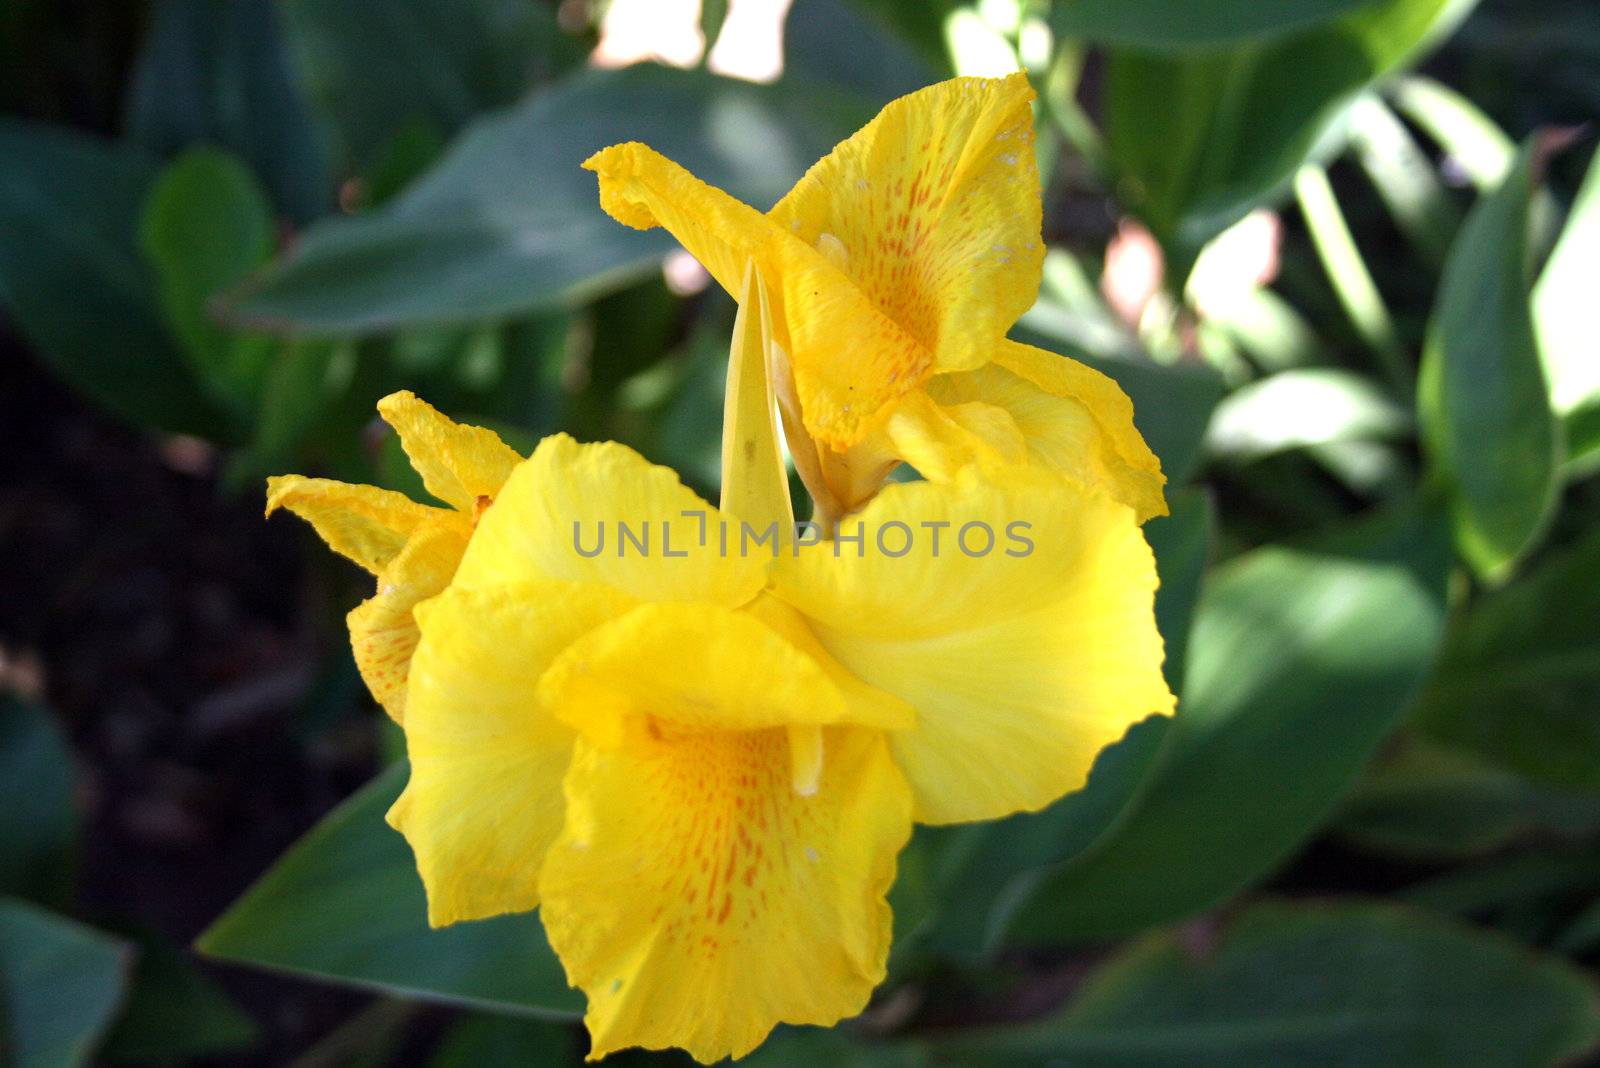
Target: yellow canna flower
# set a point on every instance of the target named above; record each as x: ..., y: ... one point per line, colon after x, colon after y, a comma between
x: 701, y: 767
x: 412, y: 548
x: 898, y: 263
x: 699, y: 755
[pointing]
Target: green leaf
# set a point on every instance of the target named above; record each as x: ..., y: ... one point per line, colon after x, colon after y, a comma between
x: 175, y: 1012
x: 1352, y: 984
x: 1203, y: 138
x: 375, y: 67
x: 980, y: 874
x: 216, y: 72
x: 1435, y: 804
x: 1518, y: 681
x: 1469, y: 138
x: 872, y: 51
x: 1302, y: 408
x: 60, y: 984
x: 502, y: 1042
x: 206, y: 226
x: 835, y: 1047
x: 1299, y: 664
x: 346, y: 904
x: 1191, y: 24
x: 75, y: 284
x: 1405, y: 178
x: 508, y: 221
x: 1563, y: 304
x: 1482, y: 399
x: 38, y: 817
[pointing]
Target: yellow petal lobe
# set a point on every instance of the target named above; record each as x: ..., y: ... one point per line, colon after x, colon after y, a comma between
x: 699, y: 667
x: 383, y: 631
x: 699, y: 900
x: 933, y: 210
x: 458, y: 464
x: 484, y: 799
x: 1072, y: 418
x: 1019, y: 624
x: 603, y: 514
x: 367, y: 524
x: 850, y: 359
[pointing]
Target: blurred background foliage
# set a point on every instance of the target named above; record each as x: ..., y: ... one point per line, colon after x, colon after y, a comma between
x: 1343, y: 254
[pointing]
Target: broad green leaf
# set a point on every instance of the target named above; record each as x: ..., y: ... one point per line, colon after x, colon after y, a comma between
x: 217, y: 72
x: 1302, y: 408
x: 1349, y: 984
x: 1180, y: 25
x: 976, y: 875
x: 376, y: 67
x: 1563, y: 305
x: 1430, y: 803
x: 1204, y: 137
x: 207, y: 225
x: 175, y: 1012
x: 1481, y: 396
x: 38, y: 816
x: 508, y: 221
x: 1518, y: 681
x: 60, y: 985
x: 72, y: 277
x: 345, y: 904
x: 1300, y: 662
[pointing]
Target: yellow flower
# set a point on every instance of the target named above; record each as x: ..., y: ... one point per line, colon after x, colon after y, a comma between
x: 701, y: 767
x: 699, y: 753
x: 412, y: 548
x: 898, y: 263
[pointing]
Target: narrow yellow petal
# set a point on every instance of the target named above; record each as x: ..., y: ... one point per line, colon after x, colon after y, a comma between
x: 459, y: 464
x: 367, y: 524
x: 695, y: 667
x: 383, y: 631
x: 1019, y: 624
x: 1073, y: 418
x: 933, y: 210
x: 484, y: 799
x: 699, y: 900
x: 755, y: 480
x: 850, y: 359
x: 603, y: 514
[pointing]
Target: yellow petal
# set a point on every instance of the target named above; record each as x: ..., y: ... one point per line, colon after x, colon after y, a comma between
x: 603, y: 514
x: 1072, y: 418
x: 933, y: 210
x: 383, y: 631
x: 459, y: 464
x: 1022, y: 662
x: 484, y: 799
x: 367, y: 524
x: 940, y: 440
x: 697, y: 667
x: 755, y: 480
x: 850, y: 359
x: 698, y: 900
